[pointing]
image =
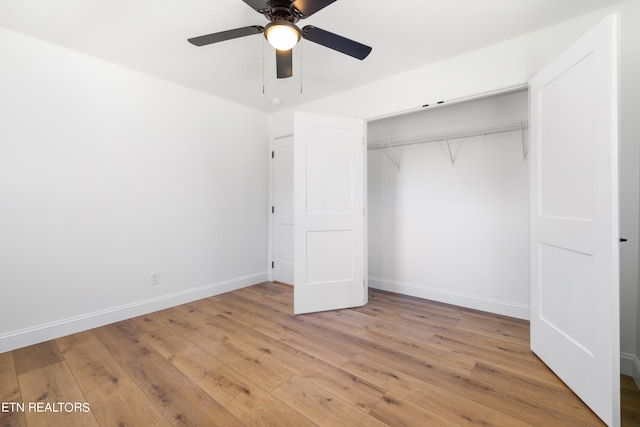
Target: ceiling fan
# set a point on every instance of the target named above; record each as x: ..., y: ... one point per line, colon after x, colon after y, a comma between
x: 283, y: 34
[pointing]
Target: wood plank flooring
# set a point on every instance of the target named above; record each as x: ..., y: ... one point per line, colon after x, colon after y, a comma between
x: 242, y: 359
x: 630, y: 401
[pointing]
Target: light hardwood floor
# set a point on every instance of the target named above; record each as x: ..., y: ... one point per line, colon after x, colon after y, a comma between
x: 630, y: 401
x: 241, y: 359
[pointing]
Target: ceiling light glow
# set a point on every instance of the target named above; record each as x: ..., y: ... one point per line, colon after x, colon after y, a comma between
x: 283, y: 35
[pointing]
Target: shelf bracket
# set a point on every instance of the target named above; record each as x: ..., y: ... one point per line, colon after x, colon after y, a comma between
x: 451, y: 156
x: 525, y: 150
x: 391, y: 155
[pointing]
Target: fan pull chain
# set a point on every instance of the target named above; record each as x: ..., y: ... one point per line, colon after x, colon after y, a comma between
x: 301, y: 67
x: 262, y: 65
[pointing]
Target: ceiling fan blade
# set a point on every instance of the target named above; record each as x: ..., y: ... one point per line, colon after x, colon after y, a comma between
x: 257, y: 5
x: 309, y: 7
x: 284, y: 63
x: 226, y: 35
x: 336, y: 42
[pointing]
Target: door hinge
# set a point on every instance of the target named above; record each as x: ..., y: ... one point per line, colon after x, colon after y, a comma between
x: 273, y: 209
x: 273, y: 264
x: 273, y: 154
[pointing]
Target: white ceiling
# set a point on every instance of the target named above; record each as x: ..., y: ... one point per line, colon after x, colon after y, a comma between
x: 150, y: 36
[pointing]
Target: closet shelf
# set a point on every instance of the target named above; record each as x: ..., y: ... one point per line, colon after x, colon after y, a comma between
x: 449, y: 136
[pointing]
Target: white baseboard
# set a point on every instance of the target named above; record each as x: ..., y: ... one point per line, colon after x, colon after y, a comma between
x: 40, y: 333
x: 506, y: 308
x: 630, y: 366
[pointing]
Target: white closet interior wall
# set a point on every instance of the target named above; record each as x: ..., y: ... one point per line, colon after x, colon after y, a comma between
x: 452, y: 233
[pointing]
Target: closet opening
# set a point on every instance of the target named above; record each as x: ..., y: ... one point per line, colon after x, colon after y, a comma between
x: 448, y: 203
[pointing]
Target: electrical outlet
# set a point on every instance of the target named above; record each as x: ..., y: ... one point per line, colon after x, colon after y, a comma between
x: 155, y: 278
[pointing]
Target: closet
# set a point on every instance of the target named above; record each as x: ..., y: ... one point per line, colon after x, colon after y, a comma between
x: 448, y: 200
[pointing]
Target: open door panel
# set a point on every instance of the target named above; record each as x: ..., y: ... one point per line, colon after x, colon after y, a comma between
x: 574, y: 219
x: 329, y: 215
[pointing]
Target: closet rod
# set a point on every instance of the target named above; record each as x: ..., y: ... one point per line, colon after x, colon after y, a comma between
x: 511, y: 127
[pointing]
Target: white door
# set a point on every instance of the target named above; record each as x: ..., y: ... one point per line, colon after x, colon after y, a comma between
x: 329, y: 216
x: 282, y: 209
x: 574, y: 220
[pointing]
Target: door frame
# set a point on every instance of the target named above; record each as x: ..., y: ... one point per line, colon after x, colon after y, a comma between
x: 270, y: 231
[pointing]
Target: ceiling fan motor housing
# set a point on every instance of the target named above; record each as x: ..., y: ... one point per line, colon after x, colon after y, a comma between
x: 282, y: 11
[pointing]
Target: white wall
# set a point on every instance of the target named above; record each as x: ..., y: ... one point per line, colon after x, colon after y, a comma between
x: 512, y: 63
x: 107, y: 175
x: 453, y: 233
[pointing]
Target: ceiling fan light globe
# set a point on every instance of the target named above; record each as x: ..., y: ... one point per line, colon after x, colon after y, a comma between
x: 282, y: 35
